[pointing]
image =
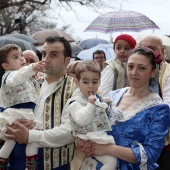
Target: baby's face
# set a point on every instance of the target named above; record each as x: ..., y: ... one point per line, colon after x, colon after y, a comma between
x: 15, y: 60
x: 88, y: 83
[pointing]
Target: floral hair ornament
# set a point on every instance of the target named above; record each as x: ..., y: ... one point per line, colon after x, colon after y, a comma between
x: 155, y: 54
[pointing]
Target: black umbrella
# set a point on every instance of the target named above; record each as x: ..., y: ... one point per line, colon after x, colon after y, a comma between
x: 25, y: 45
x: 75, y: 50
x: 22, y: 37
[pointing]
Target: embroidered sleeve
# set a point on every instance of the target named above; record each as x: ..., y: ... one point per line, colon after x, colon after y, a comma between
x: 20, y: 76
x: 149, y: 150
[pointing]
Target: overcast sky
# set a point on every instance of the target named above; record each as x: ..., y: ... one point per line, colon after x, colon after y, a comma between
x: 157, y: 10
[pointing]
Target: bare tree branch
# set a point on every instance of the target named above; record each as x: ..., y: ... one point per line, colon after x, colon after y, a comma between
x: 34, y: 12
x: 9, y: 3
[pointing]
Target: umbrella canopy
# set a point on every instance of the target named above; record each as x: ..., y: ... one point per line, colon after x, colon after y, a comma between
x: 40, y: 36
x: 88, y: 54
x: 121, y: 21
x: 75, y: 50
x: 25, y: 45
x: 21, y: 37
x: 91, y: 42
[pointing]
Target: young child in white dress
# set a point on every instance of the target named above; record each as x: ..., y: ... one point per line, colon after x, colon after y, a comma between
x: 19, y: 98
x: 88, y: 111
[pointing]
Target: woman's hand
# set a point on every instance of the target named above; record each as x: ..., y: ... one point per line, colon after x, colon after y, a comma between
x: 79, y: 143
x: 85, y: 146
x: 91, y: 148
x: 100, y: 149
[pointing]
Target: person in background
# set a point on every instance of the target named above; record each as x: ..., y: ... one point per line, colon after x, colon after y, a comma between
x: 163, y: 88
x: 30, y: 57
x: 71, y: 68
x: 139, y: 118
x: 76, y: 58
x: 54, y: 136
x: 167, y: 54
x: 99, y: 57
x: 114, y: 74
x: 19, y: 98
x: 1, y: 101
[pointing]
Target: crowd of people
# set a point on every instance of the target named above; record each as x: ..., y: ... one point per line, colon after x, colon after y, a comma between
x: 85, y: 115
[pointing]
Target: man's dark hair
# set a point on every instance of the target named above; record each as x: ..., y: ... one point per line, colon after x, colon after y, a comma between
x: 67, y: 46
x: 99, y: 52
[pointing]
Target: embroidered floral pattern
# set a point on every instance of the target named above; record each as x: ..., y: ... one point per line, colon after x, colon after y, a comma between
x: 115, y: 115
x: 89, y: 164
x: 66, y: 151
x: 100, y: 122
x: 166, y: 76
x: 120, y: 76
x: 22, y: 93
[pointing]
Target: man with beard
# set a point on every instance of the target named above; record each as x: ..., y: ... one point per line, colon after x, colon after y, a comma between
x: 55, y: 131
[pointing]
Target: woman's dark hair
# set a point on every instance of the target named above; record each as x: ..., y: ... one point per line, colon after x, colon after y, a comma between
x: 146, y: 52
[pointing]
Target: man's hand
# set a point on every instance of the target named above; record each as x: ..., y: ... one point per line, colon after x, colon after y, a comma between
x: 20, y: 134
x: 30, y: 124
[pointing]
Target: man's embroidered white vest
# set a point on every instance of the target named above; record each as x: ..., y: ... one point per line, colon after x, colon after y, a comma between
x: 53, y: 106
x: 164, y: 74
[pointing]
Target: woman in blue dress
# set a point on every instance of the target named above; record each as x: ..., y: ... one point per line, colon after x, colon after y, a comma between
x: 139, y: 119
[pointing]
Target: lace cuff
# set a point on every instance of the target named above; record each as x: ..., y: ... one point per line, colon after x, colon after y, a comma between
x: 140, y: 155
